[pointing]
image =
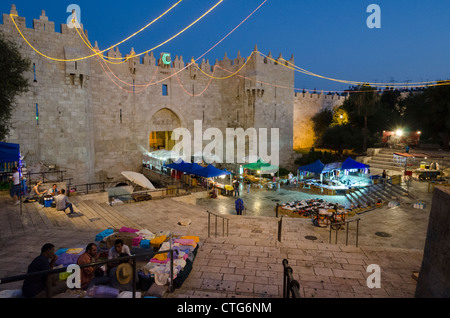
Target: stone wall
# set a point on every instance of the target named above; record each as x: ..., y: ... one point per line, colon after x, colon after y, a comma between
x: 306, y: 105
x: 434, y: 275
x: 96, y: 115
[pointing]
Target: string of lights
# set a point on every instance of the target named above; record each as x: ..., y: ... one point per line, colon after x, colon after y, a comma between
x: 100, y: 52
x: 123, y: 60
x: 193, y: 94
x: 287, y: 64
x: 96, y: 53
x: 356, y: 83
x: 87, y: 42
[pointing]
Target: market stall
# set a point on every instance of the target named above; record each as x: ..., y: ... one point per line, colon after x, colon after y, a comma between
x: 9, y: 158
x: 157, y: 159
x: 153, y: 270
x: 420, y: 165
x: 261, y: 167
x: 208, y: 173
x: 333, y: 178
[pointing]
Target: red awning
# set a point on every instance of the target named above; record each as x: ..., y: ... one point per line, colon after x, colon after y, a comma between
x: 416, y: 155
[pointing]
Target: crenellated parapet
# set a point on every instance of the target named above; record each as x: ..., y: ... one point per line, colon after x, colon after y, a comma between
x: 320, y: 96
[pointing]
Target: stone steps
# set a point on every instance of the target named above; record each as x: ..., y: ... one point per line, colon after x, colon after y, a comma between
x: 236, y: 268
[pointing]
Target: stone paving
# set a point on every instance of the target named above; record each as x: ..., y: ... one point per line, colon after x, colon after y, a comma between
x: 247, y: 263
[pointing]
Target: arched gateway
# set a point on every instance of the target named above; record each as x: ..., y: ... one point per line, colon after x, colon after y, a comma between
x: 162, y: 124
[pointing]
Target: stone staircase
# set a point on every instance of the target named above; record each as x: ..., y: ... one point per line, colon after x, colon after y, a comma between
x: 370, y: 194
x: 384, y: 159
x: 248, y: 264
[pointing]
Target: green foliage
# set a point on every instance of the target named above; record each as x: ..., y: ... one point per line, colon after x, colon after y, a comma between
x: 429, y: 112
x: 313, y: 155
x: 321, y: 121
x: 12, y: 81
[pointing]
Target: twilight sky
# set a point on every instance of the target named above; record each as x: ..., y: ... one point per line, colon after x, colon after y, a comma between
x: 327, y: 37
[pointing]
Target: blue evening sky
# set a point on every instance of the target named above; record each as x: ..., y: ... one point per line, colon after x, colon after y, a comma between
x: 327, y: 37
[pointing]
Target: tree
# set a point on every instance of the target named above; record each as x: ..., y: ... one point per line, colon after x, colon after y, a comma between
x: 321, y: 121
x: 360, y: 105
x: 12, y: 81
x: 341, y: 137
x: 429, y: 112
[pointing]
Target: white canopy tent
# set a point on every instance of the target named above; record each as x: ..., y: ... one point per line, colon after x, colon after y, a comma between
x: 138, y: 179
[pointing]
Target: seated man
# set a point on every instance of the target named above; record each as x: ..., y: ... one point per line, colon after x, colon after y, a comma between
x: 62, y: 202
x: 36, y: 194
x: 53, y: 190
x: 118, y: 249
x: 91, y: 275
x: 44, y: 285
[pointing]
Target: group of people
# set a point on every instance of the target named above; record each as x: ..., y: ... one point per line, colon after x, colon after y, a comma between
x: 116, y: 274
x: 60, y: 198
x: 62, y: 202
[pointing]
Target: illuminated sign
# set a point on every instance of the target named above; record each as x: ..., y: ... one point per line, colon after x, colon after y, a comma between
x: 164, y: 58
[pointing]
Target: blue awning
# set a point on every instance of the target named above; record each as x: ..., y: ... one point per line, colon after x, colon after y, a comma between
x: 315, y: 167
x: 349, y: 163
x: 9, y: 152
x: 211, y: 171
x: 332, y: 166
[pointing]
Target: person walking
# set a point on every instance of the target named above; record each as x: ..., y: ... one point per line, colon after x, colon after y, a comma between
x: 248, y: 183
x: 239, y: 206
x: 236, y: 187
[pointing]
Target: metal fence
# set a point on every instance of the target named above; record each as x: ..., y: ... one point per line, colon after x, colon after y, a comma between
x: 216, y: 217
x: 337, y: 226
x: 291, y: 287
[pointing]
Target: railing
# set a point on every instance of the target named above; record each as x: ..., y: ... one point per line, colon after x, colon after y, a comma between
x: 291, y: 287
x: 93, y: 187
x: 157, y: 193
x: 42, y: 176
x: 336, y: 226
x: 116, y: 260
x: 215, y: 224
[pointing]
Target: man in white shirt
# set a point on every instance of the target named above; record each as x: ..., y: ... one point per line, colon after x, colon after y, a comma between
x: 15, y: 190
x: 115, y: 252
x: 62, y: 202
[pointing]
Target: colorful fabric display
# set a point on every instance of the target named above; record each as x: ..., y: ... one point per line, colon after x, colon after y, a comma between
x: 61, y: 251
x: 136, y: 240
x: 102, y: 291
x: 161, y: 256
x: 190, y: 242
x: 144, y: 243
x: 127, y: 229
x: 158, y: 240
x: 195, y: 238
x: 146, y: 234
x: 104, y: 234
x: 77, y: 250
x: 66, y: 259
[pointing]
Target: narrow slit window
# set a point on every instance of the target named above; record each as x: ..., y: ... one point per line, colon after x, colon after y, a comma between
x: 34, y: 71
x: 165, y: 91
